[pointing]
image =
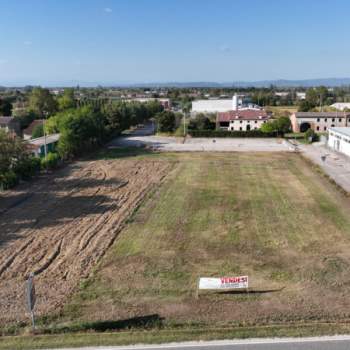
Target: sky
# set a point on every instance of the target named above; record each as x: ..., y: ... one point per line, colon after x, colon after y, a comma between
x: 131, y: 41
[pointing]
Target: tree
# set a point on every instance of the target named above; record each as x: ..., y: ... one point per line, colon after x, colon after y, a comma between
x: 166, y: 121
x: 38, y: 131
x: 11, y: 151
x: 41, y: 101
x: 5, y: 107
x: 281, y: 125
x: 305, y: 106
x: 67, y: 100
x: 201, y: 122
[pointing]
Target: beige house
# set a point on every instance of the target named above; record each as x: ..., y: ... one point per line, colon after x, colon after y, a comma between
x: 242, y: 119
x: 318, y: 121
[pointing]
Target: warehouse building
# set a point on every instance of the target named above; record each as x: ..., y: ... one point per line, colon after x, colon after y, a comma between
x: 318, y: 121
x: 221, y: 105
x: 339, y: 140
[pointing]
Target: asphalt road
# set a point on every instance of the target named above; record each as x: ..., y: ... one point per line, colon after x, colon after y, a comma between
x: 320, y: 343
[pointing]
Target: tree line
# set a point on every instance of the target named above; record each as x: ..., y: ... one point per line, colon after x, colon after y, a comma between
x: 81, y: 128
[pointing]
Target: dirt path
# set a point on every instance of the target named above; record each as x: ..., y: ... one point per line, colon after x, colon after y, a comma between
x: 60, y: 226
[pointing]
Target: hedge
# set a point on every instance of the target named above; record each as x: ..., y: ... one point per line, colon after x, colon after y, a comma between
x: 224, y: 133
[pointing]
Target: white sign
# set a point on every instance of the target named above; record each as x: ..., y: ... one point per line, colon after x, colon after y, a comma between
x: 223, y: 282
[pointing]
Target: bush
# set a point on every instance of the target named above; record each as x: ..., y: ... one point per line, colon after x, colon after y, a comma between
x: 8, y: 180
x: 311, y: 136
x: 27, y: 167
x: 224, y: 133
x: 51, y: 161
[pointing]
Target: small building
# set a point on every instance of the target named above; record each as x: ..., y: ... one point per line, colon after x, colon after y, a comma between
x: 339, y: 140
x: 318, y: 121
x: 28, y: 132
x: 242, y: 119
x: 341, y: 106
x: 10, y: 125
x: 300, y: 95
x: 37, y: 146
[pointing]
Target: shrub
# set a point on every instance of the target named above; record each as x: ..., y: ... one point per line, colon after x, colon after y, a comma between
x: 51, y: 161
x: 8, y: 180
x: 311, y: 136
x: 27, y: 167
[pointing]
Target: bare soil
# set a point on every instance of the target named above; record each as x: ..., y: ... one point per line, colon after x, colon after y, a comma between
x: 61, y: 225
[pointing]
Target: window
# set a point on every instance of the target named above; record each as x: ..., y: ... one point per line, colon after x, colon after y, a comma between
x: 240, y: 128
x: 325, y: 128
x: 325, y: 119
x: 317, y: 128
x: 332, y: 125
x: 255, y: 121
x: 240, y: 121
x: 318, y: 119
x: 339, y: 120
x: 333, y: 120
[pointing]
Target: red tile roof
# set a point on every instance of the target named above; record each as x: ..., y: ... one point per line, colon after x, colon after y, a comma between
x: 243, y: 114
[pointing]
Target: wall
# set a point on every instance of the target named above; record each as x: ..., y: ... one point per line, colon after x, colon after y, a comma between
x: 318, y: 124
x: 339, y: 142
x: 241, y: 125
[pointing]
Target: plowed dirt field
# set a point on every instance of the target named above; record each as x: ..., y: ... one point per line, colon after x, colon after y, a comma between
x: 59, y: 227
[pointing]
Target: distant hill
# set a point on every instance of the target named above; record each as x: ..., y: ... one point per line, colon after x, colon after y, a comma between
x: 330, y: 82
x: 281, y: 83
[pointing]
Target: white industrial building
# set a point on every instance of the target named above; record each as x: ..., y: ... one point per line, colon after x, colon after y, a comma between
x: 220, y: 105
x: 339, y: 140
x: 341, y: 106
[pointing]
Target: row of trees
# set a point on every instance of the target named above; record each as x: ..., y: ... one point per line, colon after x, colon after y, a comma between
x: 85, y: 128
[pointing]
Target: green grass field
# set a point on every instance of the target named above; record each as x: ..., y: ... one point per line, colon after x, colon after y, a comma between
x: 269, y: 216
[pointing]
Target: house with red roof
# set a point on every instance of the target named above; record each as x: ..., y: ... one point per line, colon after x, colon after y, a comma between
x: 245, y: 119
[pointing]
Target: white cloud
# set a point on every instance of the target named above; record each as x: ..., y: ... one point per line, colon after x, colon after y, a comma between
x: 27, y: 43
x: 107, y: 9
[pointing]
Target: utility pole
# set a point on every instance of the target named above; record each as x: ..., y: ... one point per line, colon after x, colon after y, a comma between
x: 185, y: 124
x: 45, y: 146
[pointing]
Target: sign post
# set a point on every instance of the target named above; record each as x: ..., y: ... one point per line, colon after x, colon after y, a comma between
x: 31, y: 298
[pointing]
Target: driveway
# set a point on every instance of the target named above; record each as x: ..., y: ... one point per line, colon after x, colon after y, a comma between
x: 335, y: 165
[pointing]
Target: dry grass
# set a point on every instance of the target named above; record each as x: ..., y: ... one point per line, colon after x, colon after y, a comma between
x: 270, y: 216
